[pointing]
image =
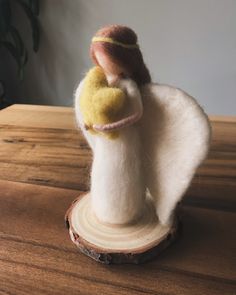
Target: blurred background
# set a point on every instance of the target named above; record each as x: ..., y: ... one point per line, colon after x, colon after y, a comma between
x: 186, y: 43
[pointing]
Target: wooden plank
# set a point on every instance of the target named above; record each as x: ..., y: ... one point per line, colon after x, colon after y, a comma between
x: 32, y: 107
x: 63, y: 117
x: 39, y: 144
x: 35, y: 247
x: 58, y: 272
x: 38, y: 116
x: 57, y: 156
x: 35, y: 213
x: 215, y: 181
x: 61, y: 158
x: 54, y: 157
x: 220, y: 118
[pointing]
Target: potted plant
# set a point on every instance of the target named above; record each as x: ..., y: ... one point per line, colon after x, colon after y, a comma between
x: 11, y: 38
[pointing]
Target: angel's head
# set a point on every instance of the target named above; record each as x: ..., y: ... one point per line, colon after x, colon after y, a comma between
x: 115, y: 49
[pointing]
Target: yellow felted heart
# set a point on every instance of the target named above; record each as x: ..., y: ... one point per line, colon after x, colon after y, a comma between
x: 99, y: 103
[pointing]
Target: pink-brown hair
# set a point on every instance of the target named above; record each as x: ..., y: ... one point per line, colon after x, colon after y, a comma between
x: 129, y: 59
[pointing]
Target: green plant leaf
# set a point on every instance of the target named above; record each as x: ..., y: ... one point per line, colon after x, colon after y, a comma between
x: 34, y: 5
x: 21, y: 73
x: 35, y: 34
x: 24, y: 60
x: 10, y: 37
x: 15, y: 54
x: 17, y: 40
x: 3, y: 89
x: 13, y: 51
x: 25, y: 57
x: 5, y: 17
x: 34, y: 24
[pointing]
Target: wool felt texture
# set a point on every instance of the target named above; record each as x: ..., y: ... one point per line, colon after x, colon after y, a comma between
x: 159, y: 154
x: 99, y: 103
x: 175, y: 134
x: 130, y: 59
x: 117, y: 187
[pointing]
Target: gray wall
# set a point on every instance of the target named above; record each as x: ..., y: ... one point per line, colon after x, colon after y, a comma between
x: 187, y: 43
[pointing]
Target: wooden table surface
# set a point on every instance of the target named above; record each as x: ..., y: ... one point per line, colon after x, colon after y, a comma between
x: 44, y: 165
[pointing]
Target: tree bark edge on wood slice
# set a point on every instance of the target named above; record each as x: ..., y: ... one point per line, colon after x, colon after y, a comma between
x: 111, y: 256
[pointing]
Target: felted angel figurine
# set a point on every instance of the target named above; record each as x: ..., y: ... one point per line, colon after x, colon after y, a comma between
x: 147, y: 141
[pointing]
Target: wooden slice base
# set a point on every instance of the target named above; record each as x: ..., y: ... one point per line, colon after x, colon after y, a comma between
x: 131, y: 243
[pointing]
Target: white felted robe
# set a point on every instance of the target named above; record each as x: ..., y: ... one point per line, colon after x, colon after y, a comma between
x: 160, y: 153
x: 117, y: 182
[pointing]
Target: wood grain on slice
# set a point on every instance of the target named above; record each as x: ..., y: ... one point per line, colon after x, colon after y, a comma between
x: 136, y: 242
x: 33, y: 216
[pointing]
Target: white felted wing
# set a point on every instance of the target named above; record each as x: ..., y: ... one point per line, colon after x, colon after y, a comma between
x: 175, y: 134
